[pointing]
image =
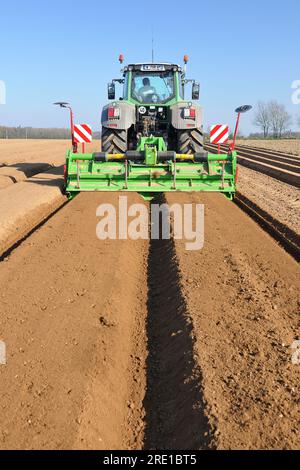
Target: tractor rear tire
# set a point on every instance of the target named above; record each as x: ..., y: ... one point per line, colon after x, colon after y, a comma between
x: 189, y: 141
x: 113, y: 140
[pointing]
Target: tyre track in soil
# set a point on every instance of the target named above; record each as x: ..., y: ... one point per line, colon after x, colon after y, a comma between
x: 174, y: 407
x: 287, y: 238
x: 242, y: 294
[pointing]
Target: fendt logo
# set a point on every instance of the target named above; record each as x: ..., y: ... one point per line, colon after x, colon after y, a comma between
x: 2, y: 92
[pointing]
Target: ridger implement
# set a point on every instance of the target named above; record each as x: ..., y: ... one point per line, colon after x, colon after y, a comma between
x: 151, y: 171
x: 152, y: 140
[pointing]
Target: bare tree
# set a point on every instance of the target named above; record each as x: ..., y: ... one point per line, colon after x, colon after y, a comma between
x: 280, y: 119
x: 262, y: 118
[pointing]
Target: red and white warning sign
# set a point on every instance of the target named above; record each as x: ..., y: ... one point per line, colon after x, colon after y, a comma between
x: 82, y: 133
x: 219, y: 134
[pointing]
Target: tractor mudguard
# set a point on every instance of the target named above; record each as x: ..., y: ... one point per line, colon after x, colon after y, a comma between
x: 178, y: 120
x: 127, y: 116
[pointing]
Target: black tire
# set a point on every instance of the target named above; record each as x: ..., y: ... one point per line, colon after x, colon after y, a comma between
x: 113, y: 140
x: 189, y: 141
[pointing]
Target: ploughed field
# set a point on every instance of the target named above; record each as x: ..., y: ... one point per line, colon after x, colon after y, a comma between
x: 291, y: 146
x: 140, y: 344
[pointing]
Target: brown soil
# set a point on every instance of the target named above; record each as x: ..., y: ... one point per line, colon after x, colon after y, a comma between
x: 20, y: 159
x: 288, y: 146
x: 32, y: 181
x: 52, y: 152
x: 280, y: 200
x: 69, y: 314
x: 130, y: 344
x: 25, y: 204
x: 242, y: 294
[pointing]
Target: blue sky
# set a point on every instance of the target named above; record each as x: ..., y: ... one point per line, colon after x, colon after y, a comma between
x: 240, y: 52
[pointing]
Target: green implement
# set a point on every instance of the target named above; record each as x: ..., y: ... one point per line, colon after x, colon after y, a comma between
x: 150, y: 169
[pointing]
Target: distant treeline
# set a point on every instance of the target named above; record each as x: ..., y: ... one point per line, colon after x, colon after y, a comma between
x: 37, y: 133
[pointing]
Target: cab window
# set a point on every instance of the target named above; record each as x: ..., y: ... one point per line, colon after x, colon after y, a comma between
x: 154, y: 87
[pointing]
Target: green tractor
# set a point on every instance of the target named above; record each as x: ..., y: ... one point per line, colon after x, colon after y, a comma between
x: 152, y: 139
x: 153, y: 104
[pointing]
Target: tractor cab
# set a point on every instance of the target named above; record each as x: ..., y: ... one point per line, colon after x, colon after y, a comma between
x: 152, y: 83
x: 148, y: 84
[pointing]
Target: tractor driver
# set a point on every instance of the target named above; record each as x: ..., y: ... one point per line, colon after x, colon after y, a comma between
x: 146, y: 91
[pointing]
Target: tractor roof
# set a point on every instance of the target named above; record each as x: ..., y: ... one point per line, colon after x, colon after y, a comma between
x: 152, y: 67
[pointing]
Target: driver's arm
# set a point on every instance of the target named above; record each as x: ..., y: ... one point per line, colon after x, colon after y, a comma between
x: 147, y: 90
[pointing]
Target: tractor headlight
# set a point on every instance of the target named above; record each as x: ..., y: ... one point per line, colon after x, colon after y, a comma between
x: 142, y: 110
